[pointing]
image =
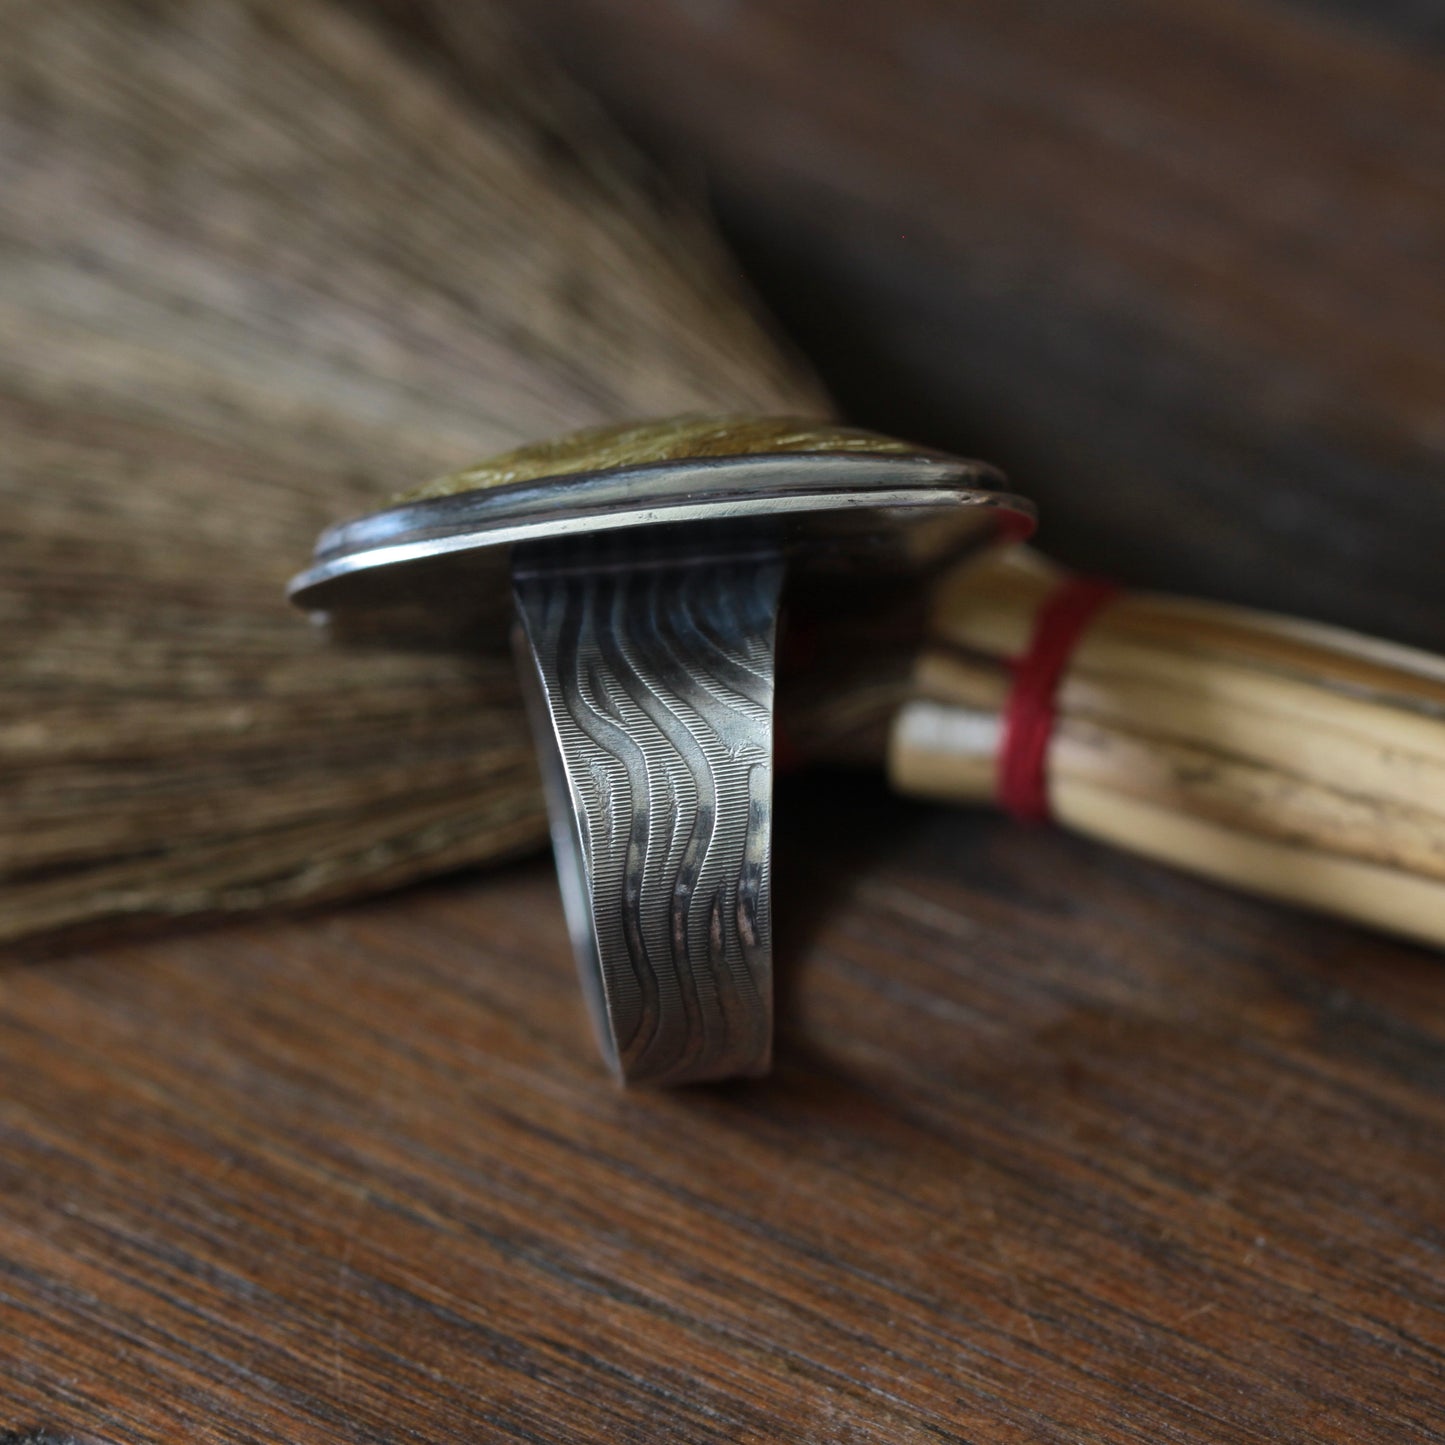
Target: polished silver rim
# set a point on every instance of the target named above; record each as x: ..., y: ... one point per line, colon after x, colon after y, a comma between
x: 800, y: 496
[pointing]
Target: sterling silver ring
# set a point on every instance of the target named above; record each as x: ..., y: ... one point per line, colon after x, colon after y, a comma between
x: 646, y: 565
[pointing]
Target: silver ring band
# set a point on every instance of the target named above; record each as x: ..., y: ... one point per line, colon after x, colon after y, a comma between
x: 650, y: 686
x: 646, y: 564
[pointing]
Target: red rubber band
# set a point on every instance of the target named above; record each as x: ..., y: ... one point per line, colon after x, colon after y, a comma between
x: 1028, y: 720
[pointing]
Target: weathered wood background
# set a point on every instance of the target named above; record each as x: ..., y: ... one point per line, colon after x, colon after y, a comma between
x: 1060, y: 1147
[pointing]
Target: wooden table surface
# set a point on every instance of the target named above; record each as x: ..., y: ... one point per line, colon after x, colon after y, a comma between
x: 1059, y: 1146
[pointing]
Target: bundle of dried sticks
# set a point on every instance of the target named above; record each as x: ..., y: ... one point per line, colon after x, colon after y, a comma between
x: 258, y: 272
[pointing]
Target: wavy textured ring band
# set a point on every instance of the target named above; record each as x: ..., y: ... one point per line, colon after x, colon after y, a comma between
x: 646, y: 566
x: 653, y: 710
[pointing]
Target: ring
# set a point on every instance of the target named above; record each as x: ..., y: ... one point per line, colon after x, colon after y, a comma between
x: 646, y: 566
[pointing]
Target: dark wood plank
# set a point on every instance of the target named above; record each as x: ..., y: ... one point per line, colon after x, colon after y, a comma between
x: 1058, y: 1148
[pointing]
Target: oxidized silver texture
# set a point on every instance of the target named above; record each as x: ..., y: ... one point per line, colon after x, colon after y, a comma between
x: 652, y: 698
x: 646, y: 600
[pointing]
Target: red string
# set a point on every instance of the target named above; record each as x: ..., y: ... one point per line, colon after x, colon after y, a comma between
x: 1028, y: 720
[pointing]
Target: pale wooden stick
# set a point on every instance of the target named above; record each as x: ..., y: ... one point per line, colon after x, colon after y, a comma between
x: 1193, y: 716
x: 1298, y: 761
x: 1390, y: 899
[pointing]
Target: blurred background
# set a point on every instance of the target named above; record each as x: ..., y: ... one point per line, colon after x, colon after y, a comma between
x: 1175, y: 264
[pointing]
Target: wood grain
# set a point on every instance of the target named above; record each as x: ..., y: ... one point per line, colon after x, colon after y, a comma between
x: 1058, y: 1148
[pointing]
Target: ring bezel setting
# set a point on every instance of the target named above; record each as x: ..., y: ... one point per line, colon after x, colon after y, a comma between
x: 645, y: 594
